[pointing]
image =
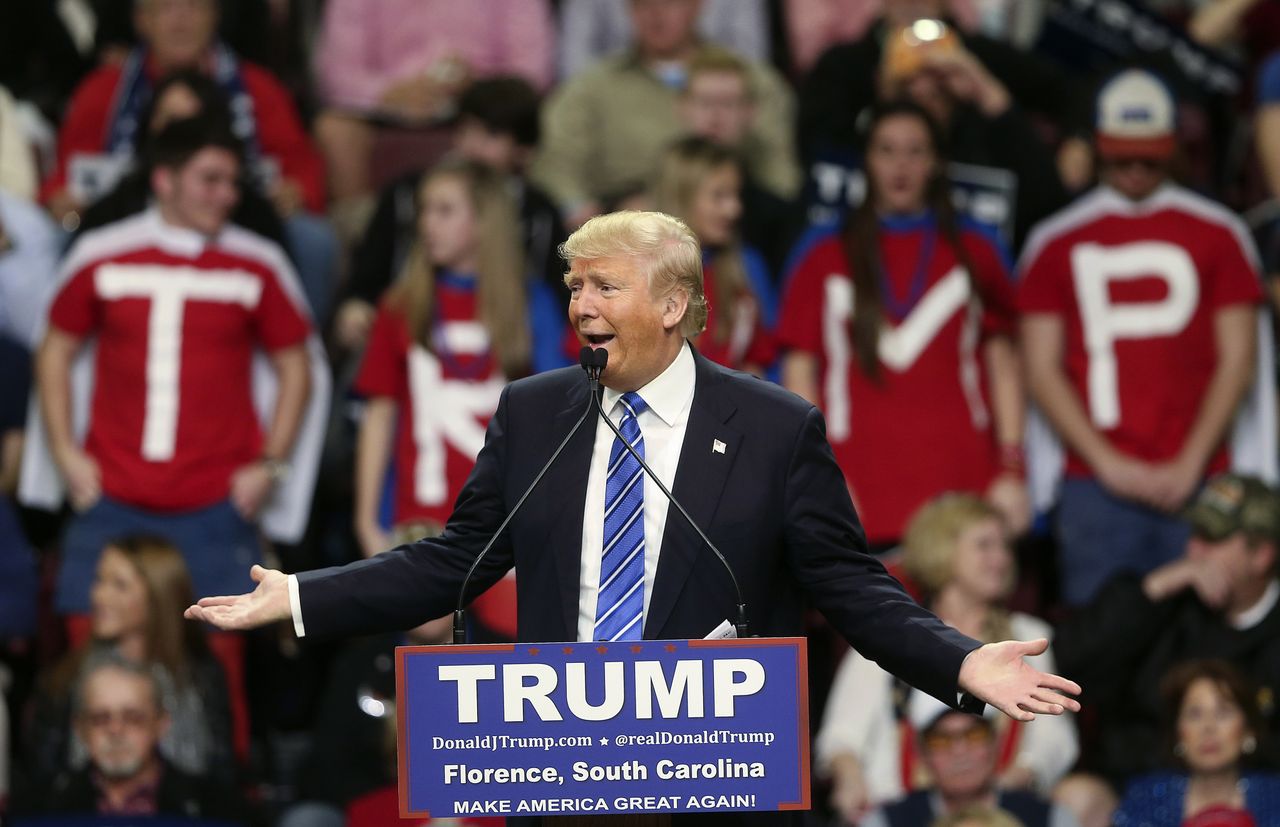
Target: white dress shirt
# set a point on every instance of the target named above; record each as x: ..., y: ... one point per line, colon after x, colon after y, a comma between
x: 668, y: 399
x: 663, y: 423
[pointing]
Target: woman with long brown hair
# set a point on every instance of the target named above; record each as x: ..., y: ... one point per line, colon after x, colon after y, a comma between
x: 700, y: 182
x: 900, y: 327
x: 138, y: 595
x: 450, y: 333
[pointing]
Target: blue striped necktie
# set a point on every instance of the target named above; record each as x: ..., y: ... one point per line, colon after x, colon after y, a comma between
x: 620, y: 601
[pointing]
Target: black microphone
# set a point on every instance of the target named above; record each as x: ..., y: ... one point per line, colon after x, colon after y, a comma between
x: 593, y: 365
x: 603, y: 358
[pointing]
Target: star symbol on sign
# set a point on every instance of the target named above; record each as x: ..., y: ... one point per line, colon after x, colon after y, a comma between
x: 604, y: 742
x: 602, y: 649
x: 636, y: 649
x: 568, y: 650
x: 671, y: 647
x: 534, y: 651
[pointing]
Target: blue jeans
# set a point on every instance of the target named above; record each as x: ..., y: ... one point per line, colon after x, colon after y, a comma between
x: 314, y: 248
x: 1101, y: 535
x: 217, y: 544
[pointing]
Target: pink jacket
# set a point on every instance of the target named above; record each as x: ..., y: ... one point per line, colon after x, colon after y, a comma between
x: 364, y: 45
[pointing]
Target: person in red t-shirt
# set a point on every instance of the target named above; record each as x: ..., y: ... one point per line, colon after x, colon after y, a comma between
x: 1140, y: 314
x: 918, y: 378
x: 177, y: 301
x: 701, y: 183
x: 448, y: 336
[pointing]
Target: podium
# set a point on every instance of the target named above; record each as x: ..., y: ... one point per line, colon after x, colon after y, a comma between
x: 637, y: 726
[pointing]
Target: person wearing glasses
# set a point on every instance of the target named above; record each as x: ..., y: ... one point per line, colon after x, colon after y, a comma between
x: 120, y: 719
x: 961, y: 753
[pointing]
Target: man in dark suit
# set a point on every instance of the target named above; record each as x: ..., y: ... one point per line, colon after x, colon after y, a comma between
x: 597, y: 554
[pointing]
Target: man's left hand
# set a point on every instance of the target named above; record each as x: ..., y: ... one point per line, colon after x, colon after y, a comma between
x: 996, y: 673
x: 250, y: 489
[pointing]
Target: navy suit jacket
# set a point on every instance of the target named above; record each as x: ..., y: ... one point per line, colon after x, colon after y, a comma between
x: 774, y: 501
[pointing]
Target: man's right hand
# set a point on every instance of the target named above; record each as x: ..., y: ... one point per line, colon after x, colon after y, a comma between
x: 84, y: 479
x: 268, y: 603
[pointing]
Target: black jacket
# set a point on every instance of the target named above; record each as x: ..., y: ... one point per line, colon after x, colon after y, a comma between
x: 180, y: 794
x: 1122, y: 644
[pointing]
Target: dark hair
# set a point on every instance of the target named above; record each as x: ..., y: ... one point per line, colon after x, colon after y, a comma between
x: 179, y: 141
x: 505, y: 104
x: 860, y: 233
x: 1228, y: 679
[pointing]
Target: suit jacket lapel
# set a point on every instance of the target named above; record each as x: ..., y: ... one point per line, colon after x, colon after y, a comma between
x: 710, y: 446
x: 564, y: 510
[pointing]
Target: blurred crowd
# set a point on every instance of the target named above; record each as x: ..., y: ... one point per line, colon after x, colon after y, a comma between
x: 266, y: 267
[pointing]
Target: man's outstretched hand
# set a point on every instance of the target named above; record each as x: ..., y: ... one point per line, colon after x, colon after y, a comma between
x: 268, y: 603
x: 997, y: 674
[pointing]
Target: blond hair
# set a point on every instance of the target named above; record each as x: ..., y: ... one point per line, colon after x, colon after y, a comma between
x: 717, y: 59
x: 929, y: 547
x: 669, y: 251
x: 500, y: 297
x: 685, y: 166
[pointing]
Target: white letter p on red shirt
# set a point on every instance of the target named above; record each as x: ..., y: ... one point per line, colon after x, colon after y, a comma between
x: 1094, y: 267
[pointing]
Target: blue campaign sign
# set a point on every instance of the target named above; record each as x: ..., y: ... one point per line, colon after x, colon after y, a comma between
x: 593, y: 728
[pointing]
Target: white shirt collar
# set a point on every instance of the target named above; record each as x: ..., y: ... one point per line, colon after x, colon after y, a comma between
x: 177, y: 240
x: 1254, y: 614
x: 669, y: 393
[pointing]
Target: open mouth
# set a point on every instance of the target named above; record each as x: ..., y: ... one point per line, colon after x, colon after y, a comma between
x: 598, y: 339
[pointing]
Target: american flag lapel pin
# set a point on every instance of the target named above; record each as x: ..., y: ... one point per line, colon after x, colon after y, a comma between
x: 717, y: 447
